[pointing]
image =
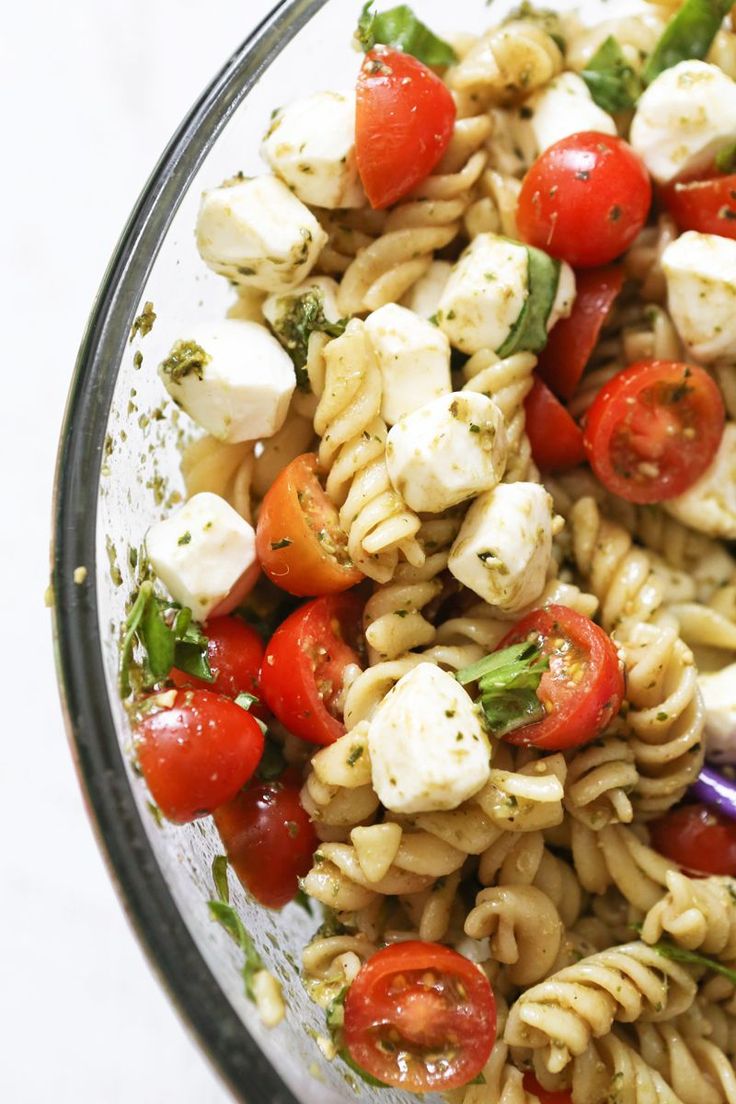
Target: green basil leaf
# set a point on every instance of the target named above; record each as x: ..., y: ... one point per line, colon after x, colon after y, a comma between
x: 226, y: 915
x: 513, y: 655
x: 726, y: 159
x: 158, y: 640
x: 691, y: 958
x: 362, y: 1074
x: 194, y: 661
x: 399, y: 27
x: 272, y: 764
x: 132, y: 624
x: 219, y: 877
x: 303, y: 901
x: 612, y: 82
x: 529, y: 333
x: 299, y: 316
x: 689, y: 34
x: 507, y: 685
x: 507, y: 712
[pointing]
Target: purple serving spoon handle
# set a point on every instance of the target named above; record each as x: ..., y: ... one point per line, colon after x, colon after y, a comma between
x: 712, y: 788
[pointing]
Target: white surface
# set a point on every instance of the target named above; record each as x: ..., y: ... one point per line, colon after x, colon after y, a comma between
x: 91, y: 94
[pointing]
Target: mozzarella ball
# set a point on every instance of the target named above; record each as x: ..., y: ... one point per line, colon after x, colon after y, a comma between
x: 414, y: 358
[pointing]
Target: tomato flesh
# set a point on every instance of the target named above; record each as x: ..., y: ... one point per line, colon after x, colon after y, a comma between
x: 269, y: 838
x: 698, y: 838
x: 555, y: 438
x: 300, y: 543
x: 404, y: 121
x: 420, y: 1017
x: 654, y: 429
x: 304, y: 664
x: 583, y: 689
x: 235, y: 652
x: 545, y: 1096
x: 708, y: 206
x: 585, y: 199
x: 573, y: 339
x: 196, y: 752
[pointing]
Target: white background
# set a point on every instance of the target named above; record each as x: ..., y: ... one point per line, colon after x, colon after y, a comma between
x: 90, y: 92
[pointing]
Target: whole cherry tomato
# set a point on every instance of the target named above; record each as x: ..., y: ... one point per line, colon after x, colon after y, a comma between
x: 697, y: 837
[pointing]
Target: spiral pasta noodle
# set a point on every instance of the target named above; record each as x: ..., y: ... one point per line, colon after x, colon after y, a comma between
x: 616, y: 856
x: 696, y: 1068
x: 600, y: 777
x: 507, y: 382
x: 699, y: 914
x: 525, y: 860
x: 224, y: 469
x: 507, y: 64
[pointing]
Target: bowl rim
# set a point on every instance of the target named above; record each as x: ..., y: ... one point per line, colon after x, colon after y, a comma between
x: 98, y: 759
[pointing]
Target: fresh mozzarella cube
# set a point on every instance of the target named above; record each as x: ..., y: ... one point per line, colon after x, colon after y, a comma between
x: 423, y: 297
x: 563, y: 107
x: 311, y: 146
x: 203, y: 554
x: 710, y: 504
x: 428, y: 749
x: 565, y: 297
x: 485, y: 293
x: 277, y: 307
x: 701, y: 293
x: 447, y: 451
x: 414, y: 358
x: 232, y: 377
x: 258, y: 234
x: 504, y: 547
x: 719, y: 698
x: 682, y: 120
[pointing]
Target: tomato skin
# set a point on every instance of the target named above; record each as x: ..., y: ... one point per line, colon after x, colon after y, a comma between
x: 304, y: 663
x: 404, y: 121
x: 235, y: 652
x: 197, y: 753
x: 585, y: 199
x: 269, y: 838
x: 661, y: 414
x: 708, y: 206
x: 545, y: 1096
x: 556, y: 440
x: 295, y: 514
x: 698, y: 838
x: 584, y: 688
x: 391, y: 994
x: 572, y: 340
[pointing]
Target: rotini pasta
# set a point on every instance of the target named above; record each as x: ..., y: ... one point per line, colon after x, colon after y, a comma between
x: 698, y: 914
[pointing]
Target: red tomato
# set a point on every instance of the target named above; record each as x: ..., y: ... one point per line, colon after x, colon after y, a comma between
x: 302, y: 672
x: 653, y: 429
x: 572, y: 340
x: 697, y: 837
x: 196, y: 753
x: 420, y: 1017
x: 531, y: 1085
x: 235, y: 651
x: 299, y: 542
x: 583, y: 688
x: 585, y: 199
x: 269, y: 838
x: 556, y: 440
x: 404, y: 121
x: 708, y: 206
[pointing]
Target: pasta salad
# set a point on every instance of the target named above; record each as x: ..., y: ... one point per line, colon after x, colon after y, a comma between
x: 443, y: 635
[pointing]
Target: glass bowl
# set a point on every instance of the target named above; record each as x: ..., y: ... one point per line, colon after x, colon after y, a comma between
x: 118, y: 471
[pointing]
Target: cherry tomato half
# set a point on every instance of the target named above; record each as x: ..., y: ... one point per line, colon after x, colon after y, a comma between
x: 545, y: 1096
x: 584, y: 686
x: 556, y: 440
x: 585, y: 199
x: 404, y: 121
x: 653, y: 429
x: 268, y: 837
x: 572, y: 340
x: 299, y: 542
x: 708, y: 206
x: 235, y: 652
x: 420, y: 1017
x: 304, y: 664
x: 698, y: 838
x: 196, y: 753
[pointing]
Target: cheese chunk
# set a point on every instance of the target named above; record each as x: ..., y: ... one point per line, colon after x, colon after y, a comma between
x: 203, y: 554
x: 447, y: 451
x: 428, y: 749
x: 258, y: 234
x: 311, y: 145
x: 710, y: 504
x: 276, y: 306
x: 504, y: 547
x: 414, y: 358
x: 232, y: 377
x: 565, y: 297
x: 423, y: 297
x: 563, y: 107
x: 719, y: 698
x: 701, y: 293
x: 485, y: 293
x: 682, y: 120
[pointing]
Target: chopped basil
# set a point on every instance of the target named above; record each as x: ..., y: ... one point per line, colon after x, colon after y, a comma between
x: 726, y: 159
x: 144, y: 322
x: 272, y: 764
x: 299, y: 317
x: 226, y: 915
x: 284, y: 543
x: 689, y: 34
x: 219, y: 877
x: 399, y: 27
x: 303, y: 901
x: 529, y: 332
x: 612, y: 82
x: 168, y: 637
x: 678, y: 954
x: 507, y: 686
x: 185, y: 359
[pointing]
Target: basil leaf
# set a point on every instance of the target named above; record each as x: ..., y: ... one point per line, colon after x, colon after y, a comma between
x: 529, y: 333
x: 689, y: 34
x: 678, y: 954
x: 158, y: 640
x: 399, y: 27
x: 514, y: 654
x: 272, y: 764
x: 169, y: 637
x: 132, y: 624
x: 303, y: 901
x: 612, y: 82
x: 226, y: 915
x: 299, y: 317
x: 219, y: 877
x: 507, y: 686
x: 362, y: 1074
x: 726, y: 159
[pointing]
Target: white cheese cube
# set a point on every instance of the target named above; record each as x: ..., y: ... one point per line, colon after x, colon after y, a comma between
x: 258, y: 234
x: 414, y: 358
x: 232, y: 377
x: 563, y: 107
x: 311, y: 145
x: 203, y: 554
x: 504, y: 547
x: 701, y: 293
x: 485, y: 293
x: 710, y: 504
x: 447, y: 451
x: 325, y: 287
x: 428, y: 749
x: 565, y: 297
x: 719, y: 698
x: 682, y: 120
x: 423, y: 297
